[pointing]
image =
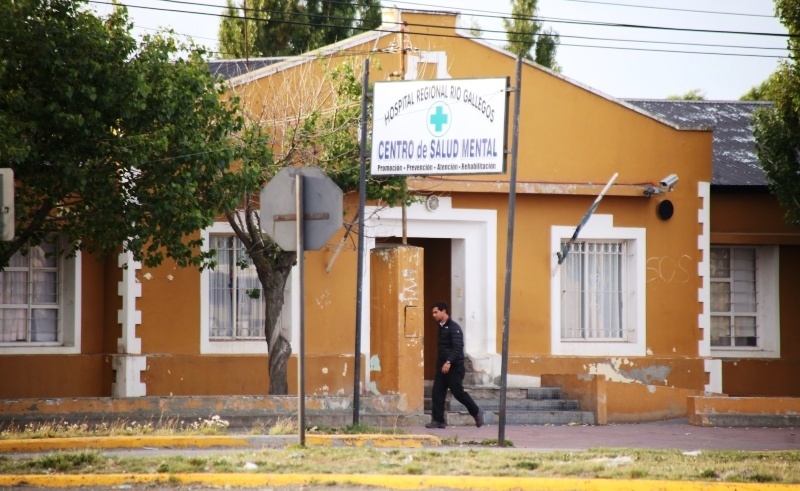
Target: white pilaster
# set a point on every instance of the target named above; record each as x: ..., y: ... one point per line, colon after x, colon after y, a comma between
x: 129, y: 369
x: 714, y: 370
x: 129, y: 289
x: 703, y: 269
x: 127, y: 365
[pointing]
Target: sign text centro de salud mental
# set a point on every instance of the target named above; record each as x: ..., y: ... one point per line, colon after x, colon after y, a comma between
x: 433, y: 127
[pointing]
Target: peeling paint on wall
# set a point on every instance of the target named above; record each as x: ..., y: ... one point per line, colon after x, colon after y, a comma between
x: 410, y: 286
x: 325, y: 370
x: 614, y: 372
x: 323, y: 300
x: 344, y: 372
x: 374, y: 364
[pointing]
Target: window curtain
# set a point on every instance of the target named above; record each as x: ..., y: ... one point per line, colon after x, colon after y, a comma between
x: 236, y: 300
x: 734, y: 296
x: 29, y: 287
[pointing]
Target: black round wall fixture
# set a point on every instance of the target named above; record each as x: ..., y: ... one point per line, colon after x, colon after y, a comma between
x: 665, y: 209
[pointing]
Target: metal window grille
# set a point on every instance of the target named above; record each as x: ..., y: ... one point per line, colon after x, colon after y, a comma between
x: 594, y: 288
x: 734, y: 297
x: 237, y: 305
x: 30, y: 296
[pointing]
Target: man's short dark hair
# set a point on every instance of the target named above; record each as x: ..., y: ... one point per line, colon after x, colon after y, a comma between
x: 442, y: 306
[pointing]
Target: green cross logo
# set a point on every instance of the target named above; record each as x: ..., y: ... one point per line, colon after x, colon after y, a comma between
x: 439, y: 119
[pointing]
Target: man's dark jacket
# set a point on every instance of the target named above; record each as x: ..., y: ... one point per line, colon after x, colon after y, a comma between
x: 451, y: 343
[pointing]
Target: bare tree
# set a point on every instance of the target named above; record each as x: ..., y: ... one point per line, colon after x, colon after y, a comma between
x: 311, y: 114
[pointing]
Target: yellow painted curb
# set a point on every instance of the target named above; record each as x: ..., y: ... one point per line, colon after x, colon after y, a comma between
x: 385, y: 481
x: 379, y: 440
x: 76, y: 443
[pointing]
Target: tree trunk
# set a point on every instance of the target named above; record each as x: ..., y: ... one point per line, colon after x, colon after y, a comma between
x: 273, y: 282
x: 273, y: 266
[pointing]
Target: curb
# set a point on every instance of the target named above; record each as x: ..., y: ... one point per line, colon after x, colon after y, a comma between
x: 405, y: 441
x: 77, y: 443
x: 381, y: 481
x: 33, y: 445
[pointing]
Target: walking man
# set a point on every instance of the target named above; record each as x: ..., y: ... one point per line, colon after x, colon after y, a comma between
x: 450, y: 369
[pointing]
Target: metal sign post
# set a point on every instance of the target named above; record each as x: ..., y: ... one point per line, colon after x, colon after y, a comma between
x: 512, y: 205
x: 362, y: 196
x: 310, y: 199
x: 301, y: 362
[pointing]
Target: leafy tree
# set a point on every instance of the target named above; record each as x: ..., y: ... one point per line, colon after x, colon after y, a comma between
x: 760, y: 92
x: 112, y: 144
x: 325, y: 134
x: 475, y: 28
x: 692, y: 95
x: 281, y: 28
x: 527, y: 37
x: 777, y: 128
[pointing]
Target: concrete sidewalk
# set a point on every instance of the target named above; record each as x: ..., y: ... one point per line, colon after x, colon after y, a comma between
x: 674, y: 434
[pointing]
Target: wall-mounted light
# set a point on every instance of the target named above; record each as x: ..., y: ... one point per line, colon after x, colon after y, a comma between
x: 664, y: 185
x: 432, y: 203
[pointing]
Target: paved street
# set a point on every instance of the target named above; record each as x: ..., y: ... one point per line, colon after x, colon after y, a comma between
x: 675, y: 434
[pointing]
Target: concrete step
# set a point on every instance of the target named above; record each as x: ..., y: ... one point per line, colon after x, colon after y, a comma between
x: 524, y: 406
x: 524, y: 418
x: 492, y: 392
x: 541, y: 393
x: 518, y: 405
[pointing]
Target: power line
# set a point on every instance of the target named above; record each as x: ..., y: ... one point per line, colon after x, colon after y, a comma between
x: 671, y: 9
x: 358, y: 28
x: 541, y: 19
x: 186, y: 2
x: 501, y: 15
x: 489, y: 14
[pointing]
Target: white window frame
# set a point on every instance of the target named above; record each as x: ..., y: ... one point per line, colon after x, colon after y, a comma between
x: 601, y: 227
x: 69, y: 315
x: 768, y: 314
x: 291, y: 309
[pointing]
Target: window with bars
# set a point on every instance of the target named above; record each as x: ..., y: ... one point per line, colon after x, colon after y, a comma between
x: 236, y: 302
x: 594, y: 291
x: 30, y: 295
x: 598, y: 293
x: 734, y: 297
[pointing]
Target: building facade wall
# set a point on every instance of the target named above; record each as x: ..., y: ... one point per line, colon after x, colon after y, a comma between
x: 572, y: 139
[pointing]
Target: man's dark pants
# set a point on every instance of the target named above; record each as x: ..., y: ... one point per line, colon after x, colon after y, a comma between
x: 452, y: 380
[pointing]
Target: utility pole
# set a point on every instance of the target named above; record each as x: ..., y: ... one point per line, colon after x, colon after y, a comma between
x: 246, y: 42
x: 403, y: 50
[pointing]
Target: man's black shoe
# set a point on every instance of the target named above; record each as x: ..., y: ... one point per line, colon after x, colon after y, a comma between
x: 479, y: 418
x: 435, y: 424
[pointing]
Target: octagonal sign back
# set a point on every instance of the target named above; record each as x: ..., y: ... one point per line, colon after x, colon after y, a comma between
x: 322, y: 203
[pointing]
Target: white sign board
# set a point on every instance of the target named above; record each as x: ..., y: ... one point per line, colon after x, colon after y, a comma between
x: 435, y: 127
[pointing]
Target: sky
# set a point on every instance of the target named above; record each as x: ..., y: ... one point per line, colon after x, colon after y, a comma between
x: 655, y: 63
